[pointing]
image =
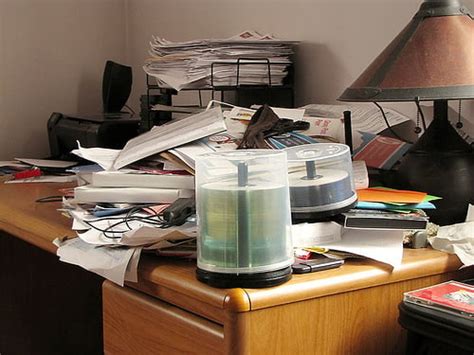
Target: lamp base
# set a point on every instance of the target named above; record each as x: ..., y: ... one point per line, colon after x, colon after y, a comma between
x: 441, y: 163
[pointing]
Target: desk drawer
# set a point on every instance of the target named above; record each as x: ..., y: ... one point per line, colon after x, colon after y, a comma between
x: 135, y: 323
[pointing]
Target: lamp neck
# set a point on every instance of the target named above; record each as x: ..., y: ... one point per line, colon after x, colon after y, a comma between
x: 440, y: 110
x: 441, y: 135
x: 434, y: 8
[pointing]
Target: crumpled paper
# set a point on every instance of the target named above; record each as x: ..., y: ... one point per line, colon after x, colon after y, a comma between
x: 457, y: 239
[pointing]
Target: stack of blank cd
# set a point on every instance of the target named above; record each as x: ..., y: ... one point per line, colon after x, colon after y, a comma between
x: 320, y: 180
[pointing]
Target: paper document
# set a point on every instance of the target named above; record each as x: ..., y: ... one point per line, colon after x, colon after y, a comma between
x: 158, y: 139
x: 245, y: 114
x: 44, y: 163
x: 384, y: 246
x: 225, y: 141
x: 13, y: 164
x: 457, y: 239
x: 213, y: 62
x: 43, y: 179
x: 331, y: 129
x: 315, y: 234
x: 131, y: 272
x: 360, y: 174
x: 364, y: 118
x: 102, y: 156
x: 110, y: 263
x: 176, y: 109
x: 327, y: 121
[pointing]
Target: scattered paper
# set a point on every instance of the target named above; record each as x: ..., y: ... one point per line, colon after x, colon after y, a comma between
x: 110, y: 263
x: 224, y: 141
x: 470, y: 214
x: 364, y: 118
x: 245, y: 114
x: 176, y: 109
x: 331, y: 129
x: 131, y: 273
x: 13, y: 164
x: 43, y: 179
x: 360, y: 174
x: 315, y: 234
x: 44, y: 163
x: 373, y: 194
x: 384, y: 246
x: 213, y: 62
x: 103, y: 156
x: 456, y: 239
x: 158, y: 139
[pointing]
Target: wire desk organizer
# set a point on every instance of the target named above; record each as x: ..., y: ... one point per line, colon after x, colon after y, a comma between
x: 269, y: 88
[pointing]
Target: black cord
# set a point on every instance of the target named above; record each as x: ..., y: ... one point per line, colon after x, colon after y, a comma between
x: 155, y: 219
x: 459, y: 124
x: 420, y: 111
x: 50, y: 199
x: 388, y: 125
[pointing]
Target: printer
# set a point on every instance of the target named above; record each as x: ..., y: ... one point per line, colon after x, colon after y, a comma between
x: 111, y: 128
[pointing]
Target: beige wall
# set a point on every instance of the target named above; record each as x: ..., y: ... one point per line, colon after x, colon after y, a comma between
x: 339, y: 38
x: 52, y: 56
x: 53, y: 51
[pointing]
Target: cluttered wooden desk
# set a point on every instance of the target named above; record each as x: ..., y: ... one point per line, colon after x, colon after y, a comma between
x: 352, y: 309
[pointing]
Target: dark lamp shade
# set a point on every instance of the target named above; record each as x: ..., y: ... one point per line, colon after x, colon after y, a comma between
x: 432, y: 58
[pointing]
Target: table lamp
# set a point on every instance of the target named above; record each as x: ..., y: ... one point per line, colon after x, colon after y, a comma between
x: 432, y: 59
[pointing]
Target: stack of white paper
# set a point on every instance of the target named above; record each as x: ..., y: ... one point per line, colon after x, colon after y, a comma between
x: 188, y: 64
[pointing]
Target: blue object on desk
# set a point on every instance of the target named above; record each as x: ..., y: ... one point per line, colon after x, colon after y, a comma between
x: 112, y: 211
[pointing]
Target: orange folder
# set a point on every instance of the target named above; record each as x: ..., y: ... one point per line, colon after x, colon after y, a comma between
x: 373, y: 194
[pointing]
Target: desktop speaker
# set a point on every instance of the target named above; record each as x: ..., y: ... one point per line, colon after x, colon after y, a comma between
x: 116, y: 86
x: 111, y: 128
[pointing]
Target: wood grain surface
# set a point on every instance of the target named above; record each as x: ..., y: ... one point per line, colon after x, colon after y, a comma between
x: 137, y: 324
x: 349, y: 310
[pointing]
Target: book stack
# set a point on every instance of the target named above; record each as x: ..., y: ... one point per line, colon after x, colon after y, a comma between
x: 134, y: 186
x: 383, y: 208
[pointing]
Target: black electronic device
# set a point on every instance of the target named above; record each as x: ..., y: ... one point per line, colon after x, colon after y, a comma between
x: 111, y: 128
x: 312, y: 265
x: 116, y: 86
x: 179, y: 210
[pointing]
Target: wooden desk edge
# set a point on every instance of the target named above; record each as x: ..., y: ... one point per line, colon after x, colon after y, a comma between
x: 39, y: 226
x: 356, y: 277
x: 28, y: 237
